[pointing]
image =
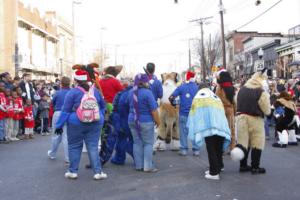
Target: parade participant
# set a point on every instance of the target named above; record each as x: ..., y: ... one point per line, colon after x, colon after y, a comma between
x: 143, y: 116
x: 286, y: 120
x: 155, y: 84
x: 44, y: 107
x: 253, y: 103
x: 207, y: 121
x: 124, y: 143
x: 110, y: 86
x: 28, y: 119
x: 18, y: 113
x: 57, y: 102
x: 83, y: 111
x: 186, y: 93
x: 226, y: 91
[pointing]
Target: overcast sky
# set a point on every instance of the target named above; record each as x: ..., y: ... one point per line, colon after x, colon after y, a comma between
x: 157, y: 30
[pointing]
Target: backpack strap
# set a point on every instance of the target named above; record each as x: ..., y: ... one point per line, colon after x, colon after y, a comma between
x: 81, y: 89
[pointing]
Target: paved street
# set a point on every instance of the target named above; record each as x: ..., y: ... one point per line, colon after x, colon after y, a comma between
x: 26, y: 173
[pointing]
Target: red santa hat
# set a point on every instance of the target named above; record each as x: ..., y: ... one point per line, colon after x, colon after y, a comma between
x: 81, y: 75
x: 190, y: 76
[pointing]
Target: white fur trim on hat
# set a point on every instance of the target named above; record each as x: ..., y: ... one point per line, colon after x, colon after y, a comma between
x: 237, y: 154
x: 81, y: 77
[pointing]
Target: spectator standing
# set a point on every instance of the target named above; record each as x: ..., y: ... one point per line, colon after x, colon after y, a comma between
x: 7, y: 80
x: 18, y: 113
x: 9, y: 128
x: 2, y: 116
x: 28, y: 120
x: 43, y: 108
x: 27, y: 88
x: 155, y: 84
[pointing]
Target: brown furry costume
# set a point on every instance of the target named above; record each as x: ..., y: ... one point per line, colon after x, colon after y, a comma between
x: 252, y: 104
x: 168, y: 130
x: 224, y: 77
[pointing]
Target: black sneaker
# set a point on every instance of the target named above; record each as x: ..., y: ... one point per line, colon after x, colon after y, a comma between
x: 245, y: 168
x: 258, y: 170
x: 277, y: 145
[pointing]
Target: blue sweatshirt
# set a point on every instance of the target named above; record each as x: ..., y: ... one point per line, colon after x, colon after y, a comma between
x: 59, y: 98
x: 72, y: 102
x: 186, y: 93
x: 156, y: 88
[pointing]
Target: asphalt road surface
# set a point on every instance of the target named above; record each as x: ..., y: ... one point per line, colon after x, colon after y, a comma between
x: 26, y: 173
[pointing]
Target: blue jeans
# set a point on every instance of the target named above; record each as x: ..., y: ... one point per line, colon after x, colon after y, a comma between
x: 184, y: 131
x: 89, y: 133
x: 2, y: 128
x: 266, y: 124
x: 57, y: 139
x: 143, y: 146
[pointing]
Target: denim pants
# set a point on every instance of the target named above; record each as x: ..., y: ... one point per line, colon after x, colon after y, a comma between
x: 143, y: 145
x: 89, y: 133
x: 16, y: 128
x: 2, y: 128
x: 9, y: 127
x: 184, y: 131
x: 57, y: 139
x: 45, y: 125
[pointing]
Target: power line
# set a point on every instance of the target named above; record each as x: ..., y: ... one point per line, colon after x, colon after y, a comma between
x: 258, y: 16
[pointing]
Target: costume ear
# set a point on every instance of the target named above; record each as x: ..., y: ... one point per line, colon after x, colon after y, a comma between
x: 176, y: 77
x: 93, y: 65
x: 77, y: 66
x: 163, y: 77
x: 263, y: 70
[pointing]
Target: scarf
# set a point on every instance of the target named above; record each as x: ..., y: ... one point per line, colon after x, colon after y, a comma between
x: 139, y: 78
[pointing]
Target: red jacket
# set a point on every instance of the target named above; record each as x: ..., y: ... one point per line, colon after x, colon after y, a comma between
x: 28, y: 117
x: 18, y: 108
x: 10, y: 108
x: 3, y: 105
x: 110, y: 87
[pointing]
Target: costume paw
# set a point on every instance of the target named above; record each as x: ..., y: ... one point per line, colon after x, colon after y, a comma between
x: 160, y: 145
x: 175, y: 145
x: 237, y: 154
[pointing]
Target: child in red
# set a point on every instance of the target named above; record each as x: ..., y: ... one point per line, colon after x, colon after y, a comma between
x: 2, y: 116
x: 28, y: 120
x: 18, y: 114
x: 9, y: 128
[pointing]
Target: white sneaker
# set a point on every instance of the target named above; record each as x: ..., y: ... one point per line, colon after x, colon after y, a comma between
x: 71, y: 175
x: 49, y: 155
x: 212, y: 177
x: 196, y: 153
x: 100, y: 176
x: 16, y: 139
x: 206, y: 172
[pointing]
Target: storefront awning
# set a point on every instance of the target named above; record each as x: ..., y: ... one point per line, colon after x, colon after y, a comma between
x: 296, y: 62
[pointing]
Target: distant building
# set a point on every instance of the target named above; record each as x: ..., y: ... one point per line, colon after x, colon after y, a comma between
x: 32, y: 43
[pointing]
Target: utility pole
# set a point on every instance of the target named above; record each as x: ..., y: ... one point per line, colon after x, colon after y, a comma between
x: 190, y: 57
x: 222, y: 33
x: 203, y: 60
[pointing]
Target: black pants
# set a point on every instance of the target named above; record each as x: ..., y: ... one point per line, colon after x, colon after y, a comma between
x: 214, y: 146
x: 45, y: 125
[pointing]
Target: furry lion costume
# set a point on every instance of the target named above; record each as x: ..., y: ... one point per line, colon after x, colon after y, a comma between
x: 253, y: 103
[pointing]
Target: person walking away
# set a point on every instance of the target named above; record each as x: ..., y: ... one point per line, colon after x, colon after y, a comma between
x: 124, y: 143
x: 143, y: 116
x: 109, y: 84
x: 226, y: 91
x: 186, y: 93
x: 83, y: 111
x: 28, y: 119
x: 57, y: 102
x: 155, y: 84
x: 44, y: 107
x: 207, y: 121
x: 18, y: 114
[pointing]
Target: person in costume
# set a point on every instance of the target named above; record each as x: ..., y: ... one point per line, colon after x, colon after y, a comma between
x: 143, y: 116
x: 286, y: 120
x: 78, y: 130
x: 226, y: 91
x: 57, y: 102
x: 253, y: 103
x: 109, y: 84
x: 207, y: 122
x: 124, y: 141
x: 186, y: 93
x: 155, y: 84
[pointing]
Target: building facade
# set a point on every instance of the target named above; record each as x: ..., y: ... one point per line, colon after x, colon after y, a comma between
x: 39, y: 44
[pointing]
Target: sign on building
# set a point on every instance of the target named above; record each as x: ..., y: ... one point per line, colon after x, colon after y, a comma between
x: 258, y: 65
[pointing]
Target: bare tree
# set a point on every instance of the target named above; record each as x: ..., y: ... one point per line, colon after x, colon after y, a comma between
x: 212, y: 49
